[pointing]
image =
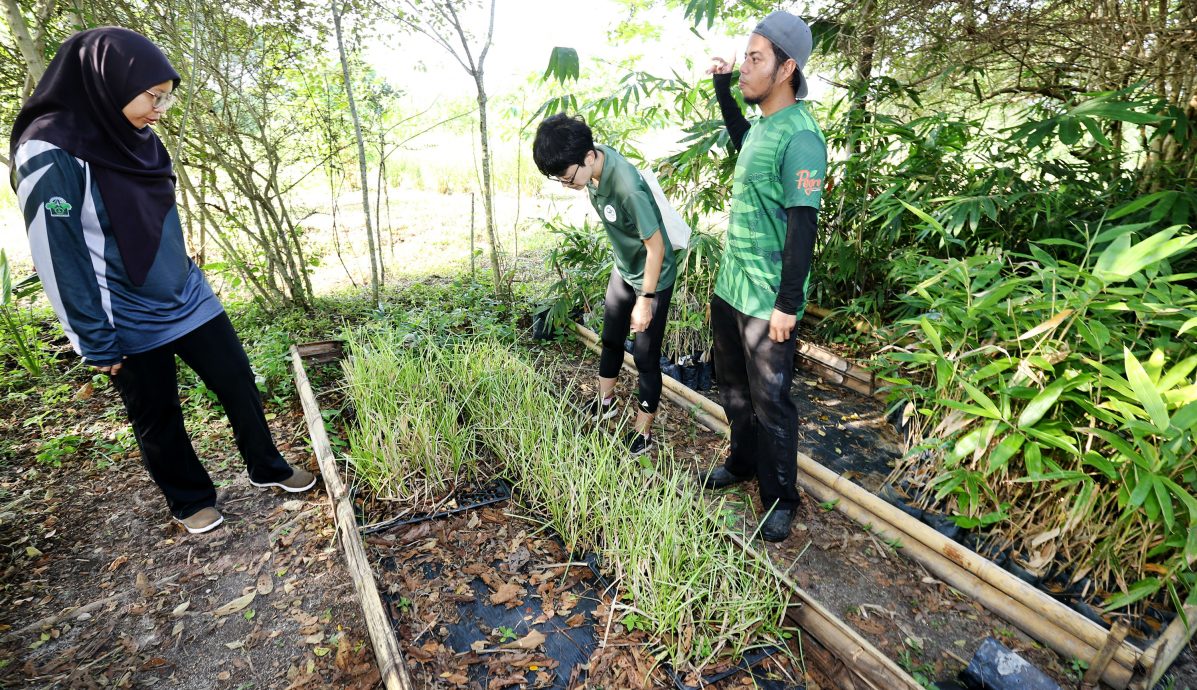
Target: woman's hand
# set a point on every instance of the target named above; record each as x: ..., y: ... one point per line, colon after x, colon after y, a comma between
x: 642, y: 314
x: 110, y: 369
x: 721, y: 66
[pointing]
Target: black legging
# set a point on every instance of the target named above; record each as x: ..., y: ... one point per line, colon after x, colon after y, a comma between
x: 617, y: 322
x: 149, y: 388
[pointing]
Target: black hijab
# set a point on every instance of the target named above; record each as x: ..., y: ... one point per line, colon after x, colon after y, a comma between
x: 77, y: 107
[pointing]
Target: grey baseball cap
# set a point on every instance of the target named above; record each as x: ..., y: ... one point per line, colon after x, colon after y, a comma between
x: 792, y: 35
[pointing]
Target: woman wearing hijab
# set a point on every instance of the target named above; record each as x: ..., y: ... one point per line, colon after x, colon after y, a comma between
x: 96, y: 187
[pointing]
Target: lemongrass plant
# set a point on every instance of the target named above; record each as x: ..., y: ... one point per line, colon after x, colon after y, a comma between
x: 408, y: 442
x: 701, y: 595
x: 698, y: 595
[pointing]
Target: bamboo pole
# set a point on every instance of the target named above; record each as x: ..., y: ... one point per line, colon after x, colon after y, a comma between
x: 1031, y: 610
x: 1160, y: 655
x: 1098, y: 665
x: 386, y: 647
x: 860, y: 657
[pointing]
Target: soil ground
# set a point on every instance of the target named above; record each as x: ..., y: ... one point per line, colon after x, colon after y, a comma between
x: 264, y: 601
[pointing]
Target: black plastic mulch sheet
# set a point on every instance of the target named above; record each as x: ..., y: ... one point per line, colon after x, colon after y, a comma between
x: 569, y: 640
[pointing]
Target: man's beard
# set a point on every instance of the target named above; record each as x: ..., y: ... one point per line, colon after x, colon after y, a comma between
x: 757, y: 100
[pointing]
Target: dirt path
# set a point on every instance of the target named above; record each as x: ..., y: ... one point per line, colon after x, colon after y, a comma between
x: 95, y: 533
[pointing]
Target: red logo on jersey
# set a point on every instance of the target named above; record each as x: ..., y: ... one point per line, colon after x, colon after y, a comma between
x: 808, y: 183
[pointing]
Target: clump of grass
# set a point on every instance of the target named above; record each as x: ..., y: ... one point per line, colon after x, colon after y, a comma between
x: 424, y: 408
x: 701, y: 597
x: 408, y: 443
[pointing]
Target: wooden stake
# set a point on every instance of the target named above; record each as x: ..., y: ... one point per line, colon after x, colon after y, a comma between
x: 1098, y: 665
x: 386, y: 647
x: 1160, y: 655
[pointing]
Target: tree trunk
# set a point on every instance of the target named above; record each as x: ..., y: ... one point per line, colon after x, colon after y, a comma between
x: 35, y: 62
x: 488, y: 188
x: 858, y: 116
x: 361, y: 154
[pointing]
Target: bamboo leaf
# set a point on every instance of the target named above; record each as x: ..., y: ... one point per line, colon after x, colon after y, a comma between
x: 982, y: 400
x: 1046, y: 325
x: 1140, y: 590
x: 1005, y: 450
x: 1042, y: 402
x: 563, y: 65
x: 932, y: 334
x: 1145, y: 392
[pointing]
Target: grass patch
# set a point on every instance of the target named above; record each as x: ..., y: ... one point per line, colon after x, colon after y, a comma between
x: 698, y: 596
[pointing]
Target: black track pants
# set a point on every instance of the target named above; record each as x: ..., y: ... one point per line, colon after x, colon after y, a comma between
x: 617, y: 323
x: 149, y: 388
x: 754, y: 375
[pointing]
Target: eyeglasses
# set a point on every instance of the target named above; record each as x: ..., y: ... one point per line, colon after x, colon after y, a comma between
x: 567, y: 180
x: 163, y: 101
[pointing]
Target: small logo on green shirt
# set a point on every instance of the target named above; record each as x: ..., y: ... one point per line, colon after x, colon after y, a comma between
x: 808, y: 183
x: 58, y: 207
x: 609, y: 213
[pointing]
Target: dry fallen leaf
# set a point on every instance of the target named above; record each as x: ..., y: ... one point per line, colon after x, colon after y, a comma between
x: 235, y: 605
x: 178, y: 610
x: 506, y: 593
x: 576, y: 620
x: 530, y: 641
x: 265, y: 584
x: 120, y: 560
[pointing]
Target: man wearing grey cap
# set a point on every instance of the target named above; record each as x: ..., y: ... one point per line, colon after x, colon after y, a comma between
x: 761, y: 289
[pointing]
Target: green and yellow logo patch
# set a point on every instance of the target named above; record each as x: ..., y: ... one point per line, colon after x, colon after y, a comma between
x: 58, y: 207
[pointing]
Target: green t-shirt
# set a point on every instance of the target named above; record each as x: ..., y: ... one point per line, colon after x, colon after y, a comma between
x: 630, y: 215
x: 782, y: 165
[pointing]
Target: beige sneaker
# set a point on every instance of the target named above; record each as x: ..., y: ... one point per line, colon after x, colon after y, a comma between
x: 300, y: 480
x: 206, y: 520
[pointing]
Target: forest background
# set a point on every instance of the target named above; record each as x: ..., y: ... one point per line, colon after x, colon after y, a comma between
x: 1005, y: 236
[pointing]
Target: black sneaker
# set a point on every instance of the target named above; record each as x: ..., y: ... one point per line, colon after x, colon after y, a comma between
x: 718, y: 478
x: 639, y: 444
x: 601, y: 409
x: 777, y: 525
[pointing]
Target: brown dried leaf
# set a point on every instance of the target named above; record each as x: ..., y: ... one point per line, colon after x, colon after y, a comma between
x: 235, y: 605
x: 265, y: 584
x: 530, y: 641
x: 576, y: 620
x: 506, y: 593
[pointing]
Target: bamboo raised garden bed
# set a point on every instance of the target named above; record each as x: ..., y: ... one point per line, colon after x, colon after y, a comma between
x: 833, y: 648
x: 1119, y: 663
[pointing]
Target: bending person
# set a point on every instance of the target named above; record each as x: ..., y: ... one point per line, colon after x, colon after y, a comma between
x: 641, y: 284
x: 97, y: 190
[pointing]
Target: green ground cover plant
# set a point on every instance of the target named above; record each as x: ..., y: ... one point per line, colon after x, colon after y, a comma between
x: 698, y: 595
x: 1053, y: 405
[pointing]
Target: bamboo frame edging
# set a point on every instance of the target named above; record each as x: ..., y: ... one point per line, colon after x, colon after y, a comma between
x: 1032, y: 610
x: 864, y: 660
x: 386, y: 646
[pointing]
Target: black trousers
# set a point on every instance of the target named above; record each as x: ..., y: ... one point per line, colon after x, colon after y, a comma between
x: 148, y: 385
x: 755, y: 375
x: 617, y: 323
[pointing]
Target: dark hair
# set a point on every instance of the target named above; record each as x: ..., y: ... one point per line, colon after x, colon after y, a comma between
x: 561, y: 141
x: 781, y: 57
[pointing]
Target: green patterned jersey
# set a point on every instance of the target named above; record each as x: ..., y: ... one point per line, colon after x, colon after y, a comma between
x: 630, y: 216
x: 782, y: 164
